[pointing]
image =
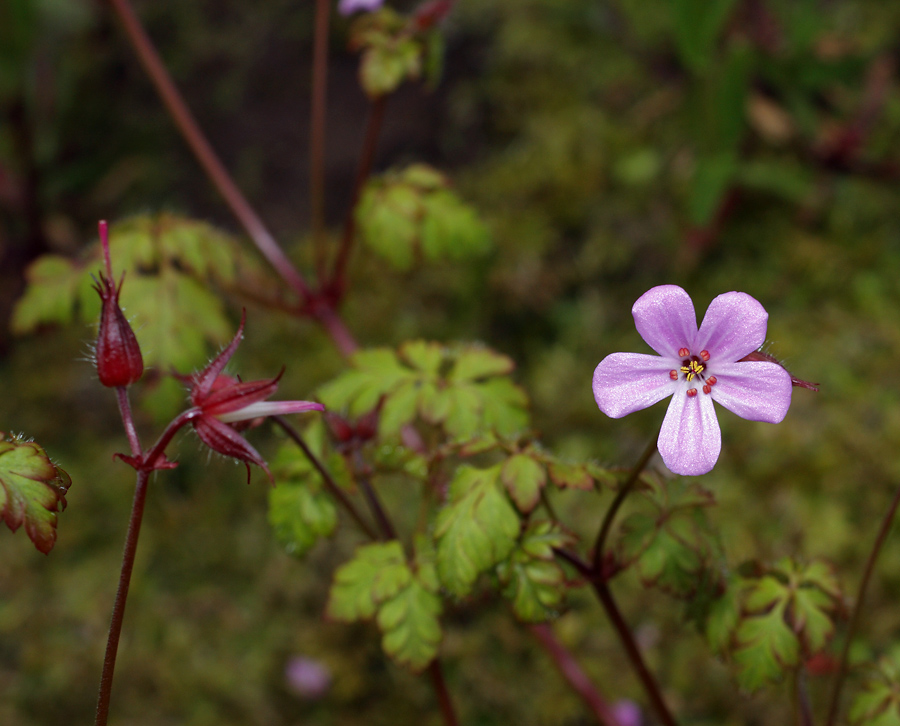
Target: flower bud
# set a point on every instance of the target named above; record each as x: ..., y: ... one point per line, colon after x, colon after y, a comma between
x: 119, y: 360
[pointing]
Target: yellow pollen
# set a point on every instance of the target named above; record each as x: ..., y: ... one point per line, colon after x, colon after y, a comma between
x: 693, y: 369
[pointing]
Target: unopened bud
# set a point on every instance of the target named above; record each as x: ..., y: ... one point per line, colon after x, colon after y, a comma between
x: 119, y: 360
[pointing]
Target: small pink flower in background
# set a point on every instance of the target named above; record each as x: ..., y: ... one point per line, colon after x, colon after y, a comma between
x: 224, y: 403
x: 307, y: 678
x: 694, y: 367
x: 628, y: 713
x: 347, y: 7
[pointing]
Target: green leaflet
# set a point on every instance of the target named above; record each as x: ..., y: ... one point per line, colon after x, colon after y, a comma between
x: 457, y: 388
x: 408, y: 214
x: 531, y: 578
x: 390, y: 54
x: 878, y: 701
x: 476, y: 530
x: 378, y: 582
x: 769, y: 623
x: 32, y: 490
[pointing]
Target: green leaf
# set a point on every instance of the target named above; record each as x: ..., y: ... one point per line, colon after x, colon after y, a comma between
x: 504, y: 406
x: 523, y: 478
x: 476, y: 362
x: 32, y: 490
x: 387, y: 63
x: 712, y: 178
x: 570, y: 476
x: 765, y: 647
x: 878, y: 701
x: 724, y: 616
x: 300, y: 516
x: 425, y: 356
x: 531, y: 577
x: 377, y: 573
x: 410, y: 625
x: 475, y: 530
x: 697, y: 27
x: 53, y: 288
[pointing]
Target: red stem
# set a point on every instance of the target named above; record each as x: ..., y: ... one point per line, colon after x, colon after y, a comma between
x: 366, y: 161
x: 118, y: 614
x: 436, y: 673
x: 317, y: 135
x: 201, y: 148
x: 574, y: 674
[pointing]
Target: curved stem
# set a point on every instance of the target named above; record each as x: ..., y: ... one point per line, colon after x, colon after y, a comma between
x: 623, y: 492
x: 858, y: 606
x: 574, y: 674
x: 366, y: 161
x: 128, y: 420
x: 317, y: 135
x: 202, y: 149
x: 436, y: 673
x: 384, y: 522
x: 330, y: 483
x: 118, y: 614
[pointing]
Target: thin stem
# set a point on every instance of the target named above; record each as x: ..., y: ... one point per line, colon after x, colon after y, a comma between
x: 384, y: 522
x: 436, y: 673
x: 366, y: 161
x: 632, y: 651
x: 858, y: 607
x: 623, y: 492
x: 330, y: 483
x: 574, y: 674
x: 128, y: 420
x: 202, y: 149
x: 118, y: 614
x: 317, y: 134
x: 803, y: 707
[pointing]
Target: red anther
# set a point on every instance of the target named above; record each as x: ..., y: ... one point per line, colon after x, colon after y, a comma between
x: 707, y: 388
x: 691, y: 392
x: 683, y: 352
x: 711, y: 381
x: 704, y: 354
x: 673, y: 375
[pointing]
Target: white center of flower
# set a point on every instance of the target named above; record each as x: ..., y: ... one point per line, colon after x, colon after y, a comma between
x: 693, y: 368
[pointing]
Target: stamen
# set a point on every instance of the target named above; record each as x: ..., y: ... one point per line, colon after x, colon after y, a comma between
x: 691, y: 392
x: 673, y: 375
x: 683, y: 352
x: 707, y: 388
x: 692, y: 369
x: 711, y: 381
x: 704, y: 354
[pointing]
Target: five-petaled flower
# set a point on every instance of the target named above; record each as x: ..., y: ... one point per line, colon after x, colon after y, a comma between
x: 694, y: 367
x: 221, y: 404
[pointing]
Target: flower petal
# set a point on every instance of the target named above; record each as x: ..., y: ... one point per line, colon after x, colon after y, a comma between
x: 690, y: 439
x: 269, y: 408
x: 756, y: 391
x: 224, y: 439
x: 237, y: 395
x: 734, y: 325
x: 204, y: 380
x: 627, y: 382
x: 665, y: 318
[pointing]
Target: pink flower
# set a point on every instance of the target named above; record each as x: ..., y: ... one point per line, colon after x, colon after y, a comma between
x: 694, y: 367
x: 222, y: 403
x: 347, y: 7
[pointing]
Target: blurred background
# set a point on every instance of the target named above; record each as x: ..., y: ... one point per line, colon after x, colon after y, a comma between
x: 611, y: 145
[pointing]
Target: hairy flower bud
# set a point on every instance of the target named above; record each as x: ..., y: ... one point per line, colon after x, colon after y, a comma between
x: 119, y: 360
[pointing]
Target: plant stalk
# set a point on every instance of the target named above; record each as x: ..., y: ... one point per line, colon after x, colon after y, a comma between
x: 317, y: 135
x: 855, y: 616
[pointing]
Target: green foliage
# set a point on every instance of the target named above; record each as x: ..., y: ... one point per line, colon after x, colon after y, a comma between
x: 671, y: 542
x: 697, y: 27
x: 300, y: 512
x: 531, y: 577
x: 878, y: 701
x: 169, y: 264
x: 475, y: 530
x: 391, y: 52
x: 379, y: 583
x: 769, y: 623
x: 523, y: 478
x: 32, y: 490
x: 409, y: 214
x: 456, y: 388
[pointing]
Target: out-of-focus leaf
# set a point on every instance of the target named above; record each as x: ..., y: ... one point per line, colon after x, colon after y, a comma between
x: 523, y: 478
x: 376, y: 573
x: 410, y: 625
x: 713, y: 176
x: 697, y: 27
x: 878, y: 701
x: 54, y: 285
x: 32, y: 490
x: 570, y: 476
x: 475, y: 530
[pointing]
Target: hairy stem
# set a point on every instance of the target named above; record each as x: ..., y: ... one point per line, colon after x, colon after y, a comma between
x: 118, y: 614
x: 574, y: 674
x: 330, y: 483
x: 317, y: 135
x: 366, y: 161
x: 202, y: 149
x: 623, y: 492
x: 855, y: 616
x: 128, y: 420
